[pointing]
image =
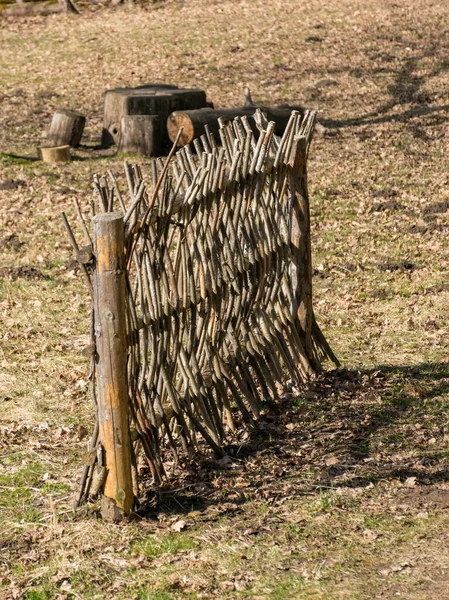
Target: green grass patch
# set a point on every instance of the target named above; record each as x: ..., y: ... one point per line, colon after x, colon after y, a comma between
x: 159, y: 545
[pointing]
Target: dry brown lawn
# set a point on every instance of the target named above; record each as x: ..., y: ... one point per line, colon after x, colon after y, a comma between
x: 344, y: 491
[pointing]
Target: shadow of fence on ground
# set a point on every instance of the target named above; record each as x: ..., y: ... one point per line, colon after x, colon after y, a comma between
x: 347, y: 429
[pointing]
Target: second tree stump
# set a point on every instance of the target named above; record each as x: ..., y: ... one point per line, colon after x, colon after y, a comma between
x: 66, y: 128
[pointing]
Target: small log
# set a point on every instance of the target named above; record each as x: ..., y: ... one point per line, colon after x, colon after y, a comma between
x: 194, y: 121
x: 110, y: 331
x: 54, y: 154
x: 248, y: 97
x: 159, y: 100
x: 66, y: 128
x: 138, y: 135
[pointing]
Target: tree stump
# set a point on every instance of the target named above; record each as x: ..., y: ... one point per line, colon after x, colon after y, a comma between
x: 138, y: 135
x: 160, y: 100
x: 66, y: 128
x: 54, y: 154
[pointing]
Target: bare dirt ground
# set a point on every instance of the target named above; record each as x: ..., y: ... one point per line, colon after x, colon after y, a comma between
x: 344, y: 490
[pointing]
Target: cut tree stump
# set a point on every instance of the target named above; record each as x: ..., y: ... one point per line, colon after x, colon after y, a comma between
x: 138, y: 135
x: 193, y: 121
x: 160, y: 100
x: 66, y: 128
x: 54, y: 154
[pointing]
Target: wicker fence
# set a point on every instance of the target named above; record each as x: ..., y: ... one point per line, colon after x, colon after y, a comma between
x: 202, y: 298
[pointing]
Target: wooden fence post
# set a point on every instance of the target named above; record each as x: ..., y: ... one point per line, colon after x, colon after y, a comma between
x: 110, y: 332
x: 300, y: 243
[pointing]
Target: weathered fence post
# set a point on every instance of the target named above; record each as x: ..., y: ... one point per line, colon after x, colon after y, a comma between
x: 300, y: 243
x: 110, y: 332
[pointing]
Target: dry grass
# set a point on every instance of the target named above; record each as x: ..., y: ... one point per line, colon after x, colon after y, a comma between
x: 344, y: 492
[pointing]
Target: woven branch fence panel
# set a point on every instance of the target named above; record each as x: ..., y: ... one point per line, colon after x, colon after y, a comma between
x: 218, y: 291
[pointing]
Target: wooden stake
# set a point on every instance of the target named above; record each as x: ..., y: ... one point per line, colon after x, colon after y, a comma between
x: 110, y: 332
x: 300, y: 243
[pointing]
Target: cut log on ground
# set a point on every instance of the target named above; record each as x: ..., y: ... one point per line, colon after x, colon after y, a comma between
x: 194, y: 121
x: 147, y: 100
x: 54, y: 154
x: 66, y: 128
x: 137, y: 135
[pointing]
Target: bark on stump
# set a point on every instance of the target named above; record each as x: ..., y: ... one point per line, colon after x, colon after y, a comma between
x: 138, y: 135
x: 110, y: 332
x: 54, y: 154
x: 194, y: 121
x: 147, y: 100
x: 66, y: 128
